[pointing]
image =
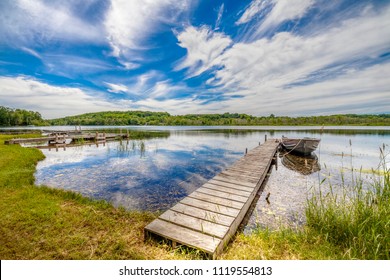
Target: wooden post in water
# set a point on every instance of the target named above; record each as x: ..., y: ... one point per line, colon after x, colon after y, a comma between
x: 265, y: 137
x: 275, y: 161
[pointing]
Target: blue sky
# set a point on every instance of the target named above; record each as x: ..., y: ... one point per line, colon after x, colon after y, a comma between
x: 286, y: 57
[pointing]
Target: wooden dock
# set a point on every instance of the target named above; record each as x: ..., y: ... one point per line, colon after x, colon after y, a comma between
x: 64, y: 139
x: 209, y: 217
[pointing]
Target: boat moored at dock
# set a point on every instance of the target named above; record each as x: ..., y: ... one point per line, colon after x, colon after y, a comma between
x: 304, y: 146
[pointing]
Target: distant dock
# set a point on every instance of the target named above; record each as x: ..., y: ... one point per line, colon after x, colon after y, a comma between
x: 209, y: 217
x: 63, y: 139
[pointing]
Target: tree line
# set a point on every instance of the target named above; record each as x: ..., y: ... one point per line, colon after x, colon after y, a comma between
x: 19, y: 117
x: 164, y: 118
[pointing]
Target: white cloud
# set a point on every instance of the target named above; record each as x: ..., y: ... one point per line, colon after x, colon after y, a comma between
x: 203, y: 48
x: 219, y: 16
x: 264, y: 71
x: 73, y: 66
x: 117, y: 88
x: 50, y: 101
x: 129, y: 23
x: 360, y: 91
x: 32, y: 52
x: 32, y: 22
x: 173, y: 106
x: 273, y: 13
x: 287, y: 58
x: 254, y: 9
x: 285, y: 10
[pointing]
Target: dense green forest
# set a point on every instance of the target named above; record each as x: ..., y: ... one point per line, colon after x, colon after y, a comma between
x: 163, y: 118
x: 19, y: 117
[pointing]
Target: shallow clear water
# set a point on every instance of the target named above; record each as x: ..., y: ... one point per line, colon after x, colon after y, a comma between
x: 155, y: 174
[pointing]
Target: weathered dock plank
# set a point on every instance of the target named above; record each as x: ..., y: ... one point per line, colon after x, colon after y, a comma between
x: 184, y: 236
x: 224, y: 210
x: 217, y: 182
x: 223, y: 194
x: 207, y: 218
x: 196, y: 224
x: 203, y: 214
x: 217, y: 187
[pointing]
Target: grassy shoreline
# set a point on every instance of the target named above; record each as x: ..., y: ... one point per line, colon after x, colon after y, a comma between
x: 44, y: 223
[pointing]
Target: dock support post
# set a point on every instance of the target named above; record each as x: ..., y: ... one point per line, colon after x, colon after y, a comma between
x: 265, y: 137
x: 275, y: 160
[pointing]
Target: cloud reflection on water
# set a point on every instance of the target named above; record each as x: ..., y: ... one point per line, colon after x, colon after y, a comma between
x: 155, y: 174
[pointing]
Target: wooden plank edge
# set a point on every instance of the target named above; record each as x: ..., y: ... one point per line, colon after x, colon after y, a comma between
x: 161, y: 231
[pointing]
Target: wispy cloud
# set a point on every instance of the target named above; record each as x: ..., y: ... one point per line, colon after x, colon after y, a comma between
x: 73, y: 66
x: 265, y: 68
x: 219, y: 16
x: 364, y: 90
x: 129, y: 24
x: 255, y: 8
x: 32, y: 52
x: 203, y: 48
x: 115, y: 88
x: 271, y: 13
x: 286, y: 58
x: 284, y: 10
x: 36, y: 22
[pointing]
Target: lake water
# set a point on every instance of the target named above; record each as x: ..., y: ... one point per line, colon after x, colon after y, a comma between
x: 155, y: 174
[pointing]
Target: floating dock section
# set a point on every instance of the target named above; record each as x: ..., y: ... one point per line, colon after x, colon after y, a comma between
x: 209, y: 217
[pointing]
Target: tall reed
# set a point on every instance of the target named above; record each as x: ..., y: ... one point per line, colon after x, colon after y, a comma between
x: 357, y: 219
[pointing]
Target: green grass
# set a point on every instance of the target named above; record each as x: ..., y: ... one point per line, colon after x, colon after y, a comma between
x: 45, y: 223
x: 357, y: 220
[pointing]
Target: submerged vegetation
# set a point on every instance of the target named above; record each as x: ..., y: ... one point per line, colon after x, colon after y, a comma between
x: 38, y: 222
x: 163, y: 118
x: 134, y: 134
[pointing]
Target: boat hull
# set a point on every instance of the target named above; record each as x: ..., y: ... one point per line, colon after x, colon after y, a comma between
x: 304, y: 146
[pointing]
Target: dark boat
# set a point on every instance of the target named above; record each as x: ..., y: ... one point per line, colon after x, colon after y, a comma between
x: 304, y: 146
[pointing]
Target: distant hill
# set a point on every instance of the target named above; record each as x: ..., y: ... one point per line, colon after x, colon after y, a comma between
x: 164, y: 118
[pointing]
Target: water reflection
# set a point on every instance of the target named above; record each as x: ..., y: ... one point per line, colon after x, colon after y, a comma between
x: 303, y: 164
x: 154, y: 174
x: 143, y: 175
